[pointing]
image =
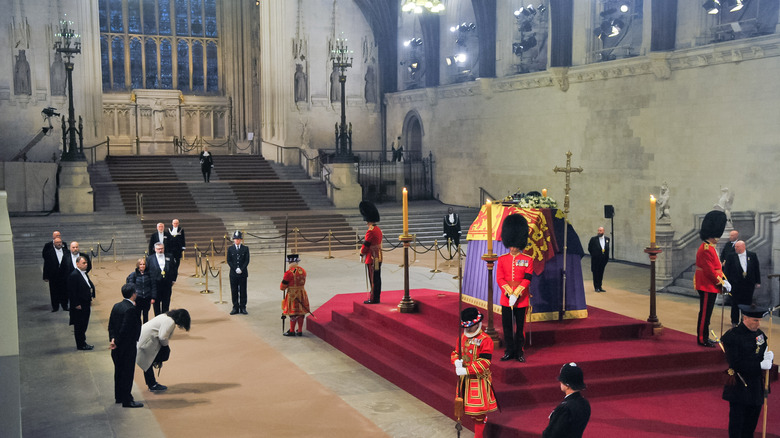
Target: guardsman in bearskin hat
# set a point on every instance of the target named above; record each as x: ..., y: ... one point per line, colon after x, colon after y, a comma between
x: 472, y: 363
x: 296, y: 302
x: 513, y: 275
x: 749, y: 357
x: 709, y: 276
x: 569, y: 418
x: 371, y: 251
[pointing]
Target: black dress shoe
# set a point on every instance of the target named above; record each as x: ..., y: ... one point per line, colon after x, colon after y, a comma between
x: 707, y: 343
x: 521, y: 358
x: 157, y: 387
x: 54, y: 310
x: 602, y: 290
x: 132, y: 404
x: 234, y: 311
x: 299, y: 333
x: 289, y: 333
x: 85, y: 347
x: 368, y: 302
x: 508, y: 356
x: 243, y: 311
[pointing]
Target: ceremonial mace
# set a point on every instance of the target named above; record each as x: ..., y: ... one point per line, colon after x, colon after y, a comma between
x: 766, y: 378
x: 567, y: 170
x: 459, y: 394
x: 284, y: 267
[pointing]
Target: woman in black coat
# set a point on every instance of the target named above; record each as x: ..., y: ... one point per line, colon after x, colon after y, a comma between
x: 206, y: 163
x: 145, y: 288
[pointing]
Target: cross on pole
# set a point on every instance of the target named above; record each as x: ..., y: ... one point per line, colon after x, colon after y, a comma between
x: 568, y: 171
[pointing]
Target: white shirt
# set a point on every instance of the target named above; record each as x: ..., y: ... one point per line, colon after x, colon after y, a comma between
x: 601, y: 242
x: 743, y: 261
x: 73, y: 258
x: 59, y: 253
x: 174, y: 231
x: 161, y: 260
x: 84, y: 274
x: 161, y: 237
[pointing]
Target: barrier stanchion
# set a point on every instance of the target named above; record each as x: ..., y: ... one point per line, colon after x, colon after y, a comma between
x: 208, y: 274
x: 296, y: 231
x: 197, y: 262
x: 460, y: 274
x: 226, y: 248
x: 357, y: 243
x: 435, y: 256
x: 221, y: 301
x: 99, y: 257
x: 414, y: 246
x: 330, y: 235
x: 212, y: 248
x: 113, y: 243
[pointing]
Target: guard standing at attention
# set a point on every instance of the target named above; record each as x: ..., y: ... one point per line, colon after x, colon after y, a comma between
x: 296, y: 302
x: 371, y: 251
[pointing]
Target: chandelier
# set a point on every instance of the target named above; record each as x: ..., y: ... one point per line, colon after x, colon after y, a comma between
x: 418, y: 6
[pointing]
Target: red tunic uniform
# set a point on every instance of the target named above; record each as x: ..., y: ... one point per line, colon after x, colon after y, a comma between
x: 709, y: 272
x: 372, y: 246
x: 513, y: 275
x: 296, y: 301
x: 478, y: 397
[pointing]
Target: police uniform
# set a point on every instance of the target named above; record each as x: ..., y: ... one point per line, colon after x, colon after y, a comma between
x: 709, y: 277
x: 744, y: 389
x: 513, y: 275
x: 371, y: 251
x: 476, y: 384
x: 296, y: 302
x: 569, y: 418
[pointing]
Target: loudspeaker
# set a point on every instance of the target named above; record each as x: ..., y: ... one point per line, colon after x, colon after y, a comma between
x: 609, y: 212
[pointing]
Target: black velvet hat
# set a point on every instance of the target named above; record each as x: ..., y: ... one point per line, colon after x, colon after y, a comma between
x: 469, y: 317
x: 369, y: 211
x: 514, y: 232
x: 571, y: 376
x: 752, y: 311
x: 713, y: 225
x: 293, y: 258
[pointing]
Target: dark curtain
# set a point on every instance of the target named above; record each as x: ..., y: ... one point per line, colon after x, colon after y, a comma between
x: 664, y: 25
x: 561, y: 29
x: 485, y: 16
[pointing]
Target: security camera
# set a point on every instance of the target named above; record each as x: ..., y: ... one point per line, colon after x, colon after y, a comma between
x: 50, y: 112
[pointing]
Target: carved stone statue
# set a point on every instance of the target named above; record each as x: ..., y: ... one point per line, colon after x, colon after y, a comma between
x: 22, y: 75
x: 662, y: 208
x: 158, y: 115
x: 335, y: 86
x: 301, y: 84
x: 57, y: 76
x: 725, y: 202
x: 370, y: 85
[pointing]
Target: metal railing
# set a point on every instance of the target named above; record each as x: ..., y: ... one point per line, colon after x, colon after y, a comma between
x: 91, y: 152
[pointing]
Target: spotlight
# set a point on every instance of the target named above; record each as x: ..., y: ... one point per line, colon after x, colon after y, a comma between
x: 529, y: 11
x: 541, y: 8
x: 733, y: 5
x: 460, y: 57
x: 616, y: 26
x: 50, y: 112
x: 529, y: 43
x: 518, y: 12
x: 712, y: 6
x: 449, y: 60
x: 624, y: 8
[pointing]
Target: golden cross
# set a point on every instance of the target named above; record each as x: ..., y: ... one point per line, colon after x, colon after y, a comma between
x: 568, y: 170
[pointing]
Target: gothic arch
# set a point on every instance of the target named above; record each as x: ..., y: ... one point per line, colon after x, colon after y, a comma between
x: 412, y: 134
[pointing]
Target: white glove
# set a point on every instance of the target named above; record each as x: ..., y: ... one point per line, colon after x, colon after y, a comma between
x: 238, y: 271
x: 767, y: 362
x: 462, y: 371
x: 459, y: 363
x: 513, y: 300
x: 727, y: 285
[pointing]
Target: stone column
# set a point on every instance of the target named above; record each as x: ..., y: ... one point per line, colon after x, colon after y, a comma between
x: 10, y: 396
x: 664, y: 239
x: 75, y: 189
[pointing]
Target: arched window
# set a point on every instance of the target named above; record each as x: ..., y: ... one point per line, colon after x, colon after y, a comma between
x: 190, y: 43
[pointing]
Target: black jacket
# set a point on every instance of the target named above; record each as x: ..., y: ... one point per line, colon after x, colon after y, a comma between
x: 124, y: 324
x: 569, y: 418
x: 744, y: 353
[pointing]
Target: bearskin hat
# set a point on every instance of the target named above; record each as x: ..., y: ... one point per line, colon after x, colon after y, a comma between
x: 713, y: 225
x: 469, y: 317
x: 514, y: 232
x: 369, y: 211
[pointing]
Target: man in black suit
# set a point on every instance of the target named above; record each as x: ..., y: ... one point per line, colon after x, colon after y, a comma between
x: 124, y: 329
x: 598, y: 247
x: 80, y: 292
x: 164, y: 273
x: 238, y: 260
x: 55, y: 272
x: 178, y: 242
x: 452, y: 228
x: 728, y: 248
x: 744, y: 273
x: 160, y: 235
x: 74, y: 254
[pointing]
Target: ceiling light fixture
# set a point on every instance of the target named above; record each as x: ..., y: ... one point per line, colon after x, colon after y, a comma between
x: 418, y: 6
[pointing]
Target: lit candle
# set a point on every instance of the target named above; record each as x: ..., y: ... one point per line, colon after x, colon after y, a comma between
x: 406, y: 213
x: 489, y: 214
x: 544, y: 192
x: 652, y: 221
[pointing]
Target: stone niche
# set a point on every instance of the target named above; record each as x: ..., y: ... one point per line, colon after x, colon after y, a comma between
x: 158, y: 115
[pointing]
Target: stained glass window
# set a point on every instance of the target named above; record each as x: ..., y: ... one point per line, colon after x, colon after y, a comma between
x: 129, y: 45
x: 183, y: 65
x: 151, y: 64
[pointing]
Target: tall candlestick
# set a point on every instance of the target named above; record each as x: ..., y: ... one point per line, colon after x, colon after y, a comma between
x: 489, y: 214
x: 544, y: 192
x: 406, y: 213
x: 652, y: 221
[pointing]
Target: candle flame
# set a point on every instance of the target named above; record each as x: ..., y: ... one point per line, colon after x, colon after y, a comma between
x: 652, y: 198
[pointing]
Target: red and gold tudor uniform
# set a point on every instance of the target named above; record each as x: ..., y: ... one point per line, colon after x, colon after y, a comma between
x: 296, y: 301
x: 476, y: 384
x: 372, y: 254
x: 709, y: 277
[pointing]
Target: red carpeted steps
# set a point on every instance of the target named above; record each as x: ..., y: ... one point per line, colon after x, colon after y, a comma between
x: 619, y: 355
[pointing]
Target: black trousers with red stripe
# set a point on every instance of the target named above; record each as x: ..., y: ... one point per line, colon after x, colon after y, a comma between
x: 706, y: 304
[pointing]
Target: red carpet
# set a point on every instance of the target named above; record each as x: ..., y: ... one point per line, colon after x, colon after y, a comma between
x: 639, y: 385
